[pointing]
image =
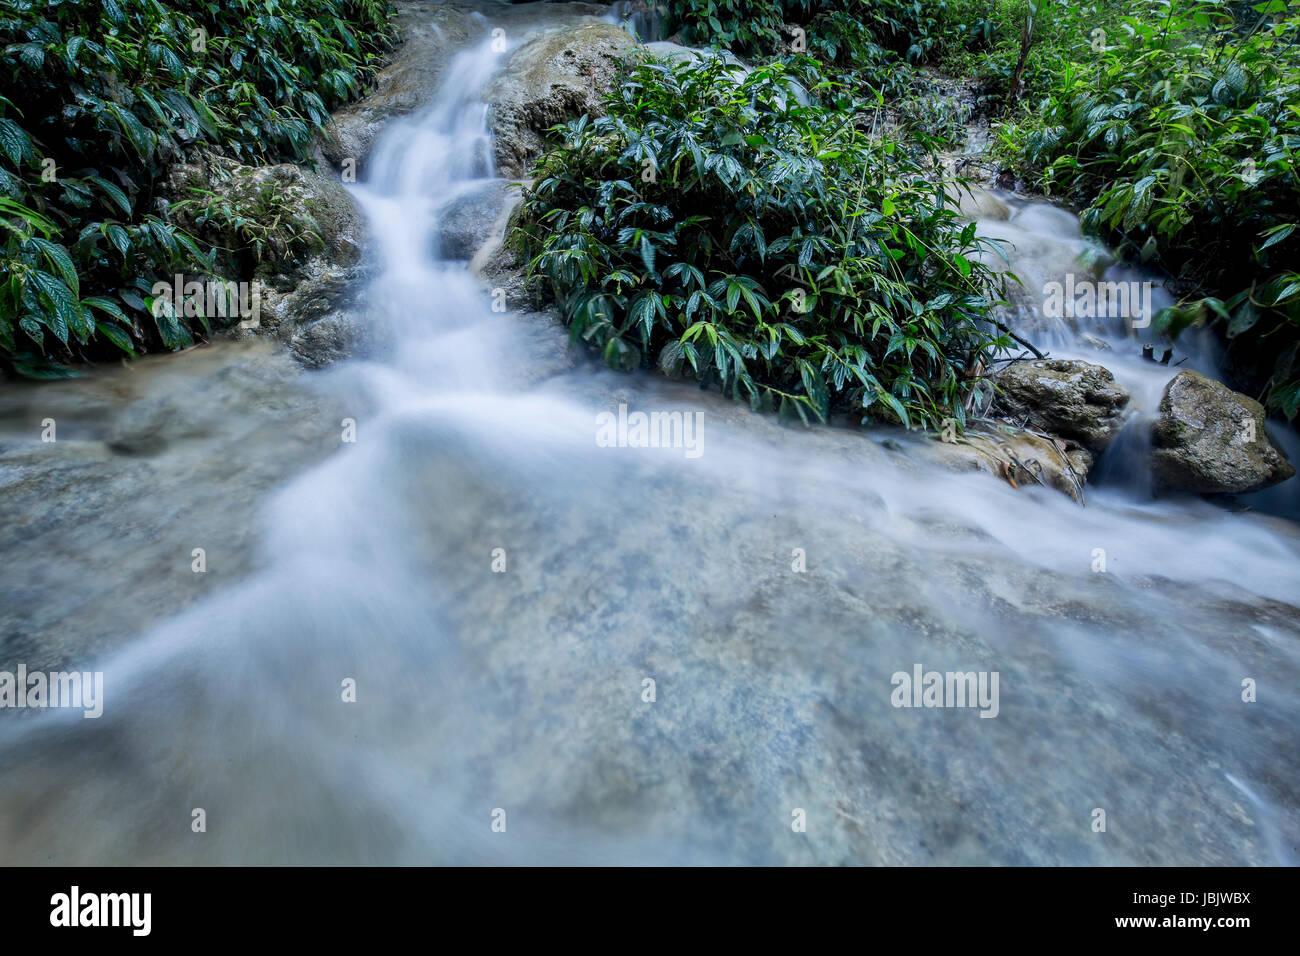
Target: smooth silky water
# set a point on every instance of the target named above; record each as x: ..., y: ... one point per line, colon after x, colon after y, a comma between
x: 522, y: 690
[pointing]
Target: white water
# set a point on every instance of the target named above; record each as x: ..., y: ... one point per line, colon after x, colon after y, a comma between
x: 1044, y: 243
x: 522, y: 690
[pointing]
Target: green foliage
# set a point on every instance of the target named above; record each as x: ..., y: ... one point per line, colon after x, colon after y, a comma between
x: 268, y: 226
x: 837, y: 31
x: 744, y: 26
x: 990, y: 40
x: 98, y: 100
x: 1181, y: 139
x: 874, y: 45
x: 715, y: 224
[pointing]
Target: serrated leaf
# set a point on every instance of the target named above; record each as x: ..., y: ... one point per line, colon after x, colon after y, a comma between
x: 1278, y: 234
x: 141, y: 138
x: 62, y: 262
x: 119, y: 238
x: 63, y: 309
x: 898, y: 408
x: 106, y: 305
x: 133, y: 299
x: 14, y: 141
x: 648, y: 254
x: 1286, y: 294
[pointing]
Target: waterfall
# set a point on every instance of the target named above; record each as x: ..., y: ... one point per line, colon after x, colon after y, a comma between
x: 479, y: 635
x: 1044, y: 246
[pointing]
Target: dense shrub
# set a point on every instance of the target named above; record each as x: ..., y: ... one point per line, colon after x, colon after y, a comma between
x: 745, y: 26
x: 1180, y: 137
x: 836, y: 30
x: 986, y: 39
x: 874, y: 46
x: 712, y: 223
x: 98, y: 100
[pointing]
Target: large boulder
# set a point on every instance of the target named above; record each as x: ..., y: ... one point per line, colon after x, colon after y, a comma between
x: 1075, y: 400
x: 209, y: 432
x: 1210, y: 439
x: 475, y: 217
x: 305, y: 252
x: 273, y: 219
x: 548, y: 80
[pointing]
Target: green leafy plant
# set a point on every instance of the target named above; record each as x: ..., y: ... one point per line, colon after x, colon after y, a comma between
x: 1022, y: 43
x: 1180, y: 139
x: 875, y: 46
x: 267, y: 225
x: 837, y: 30
x: 714, y: 224
x: 98, y: 101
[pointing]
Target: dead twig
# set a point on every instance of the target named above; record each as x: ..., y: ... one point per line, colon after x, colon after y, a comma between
x: 1025, y: 342
x: 1011, y: 456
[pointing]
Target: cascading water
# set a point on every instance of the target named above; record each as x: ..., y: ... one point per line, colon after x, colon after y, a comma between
x: 498, y: 589
x: 1045, y: 246
x: 641, y: 20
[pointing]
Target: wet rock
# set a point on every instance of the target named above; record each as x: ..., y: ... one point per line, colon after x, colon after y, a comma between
x: 154, y: 459
x: 148, y: 427
x: 503, y: 270
x: 471, y: 220
x: 1210, y: 439
x: 331, y: 339
x: 406, y: 83
x: 1075, y: 400
x: 1095, y: 342
x: 978, y: 203
x: 319, y: 318
x: 542, y: 338
x: 551, y: 79
x: 1019, y: 457
x: 308, y: 258
x: 296, y: 213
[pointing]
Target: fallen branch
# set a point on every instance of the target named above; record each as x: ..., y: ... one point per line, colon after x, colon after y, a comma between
x: 1022, y: 357
x: 1011, y: 456
x: 1025, y: 342
x: 1069, y: 466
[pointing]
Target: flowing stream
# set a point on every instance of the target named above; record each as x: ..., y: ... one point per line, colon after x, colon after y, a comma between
x: 499, y: 588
